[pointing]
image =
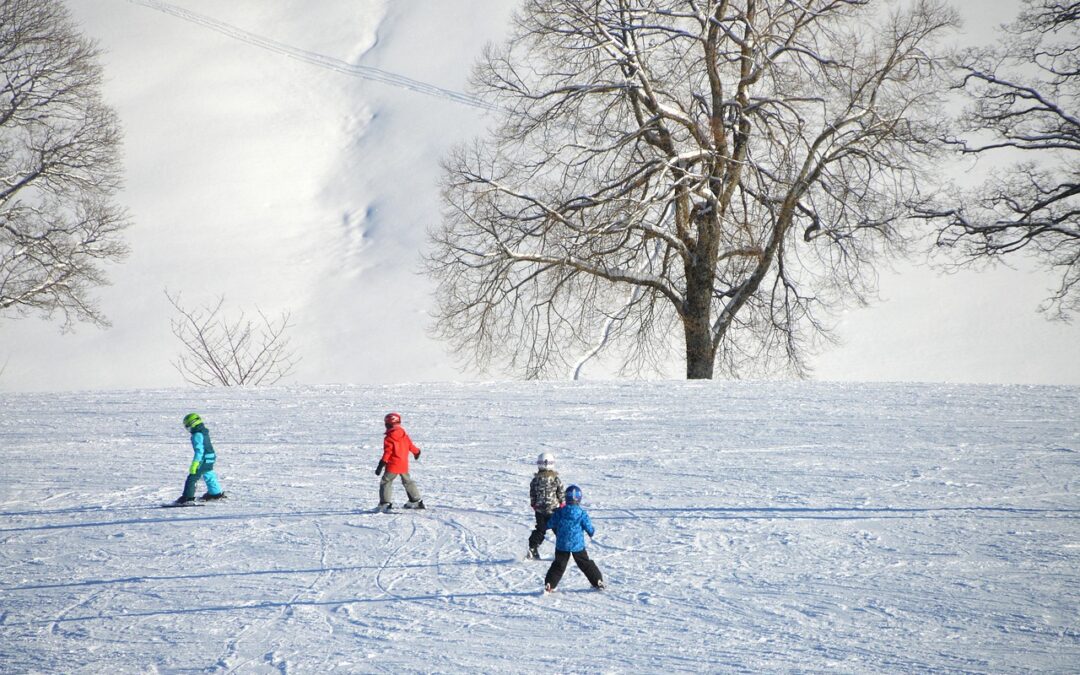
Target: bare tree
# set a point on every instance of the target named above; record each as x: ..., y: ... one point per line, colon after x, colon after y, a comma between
x: 726, y: 170
x: 59, y: 166
x: 219, y: 351
x: 1025, y: 99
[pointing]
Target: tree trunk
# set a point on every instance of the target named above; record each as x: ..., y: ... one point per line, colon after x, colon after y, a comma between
x: 700, y: 354
x: 697, y: 324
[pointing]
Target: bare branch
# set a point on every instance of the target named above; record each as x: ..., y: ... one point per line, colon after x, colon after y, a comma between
x: 218, y: 351
x: 1024, y: 97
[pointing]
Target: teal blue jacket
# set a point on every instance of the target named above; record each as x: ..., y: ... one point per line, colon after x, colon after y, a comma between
x: 204, y: 449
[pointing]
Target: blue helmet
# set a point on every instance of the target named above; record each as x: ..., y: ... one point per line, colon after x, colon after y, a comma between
x: 573, y: 494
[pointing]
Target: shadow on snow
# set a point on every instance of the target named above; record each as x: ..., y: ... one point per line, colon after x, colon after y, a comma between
x: 287, y: 604
x: 249, y: 573
x: 708, y: 512
x: 826, y: 513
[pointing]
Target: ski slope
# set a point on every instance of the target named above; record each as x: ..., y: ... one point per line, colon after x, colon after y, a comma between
x: 741, y: 527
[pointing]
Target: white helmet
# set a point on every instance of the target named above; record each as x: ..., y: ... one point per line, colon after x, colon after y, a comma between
x: 546, y: 460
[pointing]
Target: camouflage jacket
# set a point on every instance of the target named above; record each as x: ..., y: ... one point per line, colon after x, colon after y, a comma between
x: 545, y: 491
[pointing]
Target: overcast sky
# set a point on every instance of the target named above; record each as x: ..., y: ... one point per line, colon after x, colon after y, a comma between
x: 261, y: 169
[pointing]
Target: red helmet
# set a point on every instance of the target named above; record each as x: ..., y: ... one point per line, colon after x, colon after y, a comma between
x: 391, y: 419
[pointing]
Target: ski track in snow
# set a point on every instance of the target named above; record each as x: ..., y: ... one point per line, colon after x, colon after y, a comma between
x: 313, y: 58
x: 747, y: 527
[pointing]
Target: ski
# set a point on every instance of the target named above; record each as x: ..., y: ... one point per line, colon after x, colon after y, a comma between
x: 382, y: 508
x: 184, y: 505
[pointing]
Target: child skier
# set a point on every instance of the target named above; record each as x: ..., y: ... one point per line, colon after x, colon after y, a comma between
x: 202, y: 465
x: 545, y: 495
x: 397, y: 446
x: 569, y: 522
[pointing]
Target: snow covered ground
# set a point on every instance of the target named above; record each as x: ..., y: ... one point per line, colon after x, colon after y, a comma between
x: 743, y: 527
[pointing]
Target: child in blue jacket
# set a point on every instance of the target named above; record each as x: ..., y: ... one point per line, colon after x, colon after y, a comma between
x: 202, y: 464
x: 570, y: 523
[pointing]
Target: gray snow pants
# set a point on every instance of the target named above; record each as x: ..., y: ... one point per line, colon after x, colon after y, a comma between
x: 386, y: 487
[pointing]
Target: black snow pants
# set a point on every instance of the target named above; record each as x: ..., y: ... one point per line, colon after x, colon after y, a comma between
x: 537, y: 536
x: 584, y: 563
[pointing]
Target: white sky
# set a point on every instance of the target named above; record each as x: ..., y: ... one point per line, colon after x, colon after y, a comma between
x: 255, y: 174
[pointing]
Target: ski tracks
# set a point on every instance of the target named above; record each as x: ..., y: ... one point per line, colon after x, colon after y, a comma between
x: 269, y: 631
x: 314, y: 58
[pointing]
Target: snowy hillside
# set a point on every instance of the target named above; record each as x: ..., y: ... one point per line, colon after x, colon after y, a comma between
x: 288, y: 159
x: 283, y: 158
x: 741, y: 527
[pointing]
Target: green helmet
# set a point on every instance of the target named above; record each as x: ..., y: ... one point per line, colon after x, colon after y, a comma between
x: 192, y: 420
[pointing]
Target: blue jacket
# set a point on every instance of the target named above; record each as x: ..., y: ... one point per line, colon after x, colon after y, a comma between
x: 569, y: 523
x: 204, y: 449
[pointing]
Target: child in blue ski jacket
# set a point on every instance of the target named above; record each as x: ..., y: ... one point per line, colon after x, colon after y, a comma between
x: 202, y: 465
x: 571, y: 523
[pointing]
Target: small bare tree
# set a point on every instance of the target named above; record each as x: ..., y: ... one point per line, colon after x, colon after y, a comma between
x: 726, y: 171
x: 1024, y: 97
x: 219, y: 351
x: 59, y: 166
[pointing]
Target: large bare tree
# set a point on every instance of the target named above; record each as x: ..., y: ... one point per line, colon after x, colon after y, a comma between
x: 1024, y: 119
x: 724, y: 171
x: 59, y: 166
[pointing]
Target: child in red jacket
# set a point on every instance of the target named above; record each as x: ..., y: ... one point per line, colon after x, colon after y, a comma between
x: 397, y: 446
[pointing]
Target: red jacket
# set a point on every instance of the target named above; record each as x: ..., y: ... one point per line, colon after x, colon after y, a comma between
x: 396, y: 448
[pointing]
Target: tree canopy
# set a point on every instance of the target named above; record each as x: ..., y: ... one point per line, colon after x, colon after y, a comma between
x: 722, y: 171
x: 1023, y: 116
x: 59, y: 166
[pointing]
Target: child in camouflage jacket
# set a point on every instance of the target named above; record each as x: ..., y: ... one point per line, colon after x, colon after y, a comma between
x: 545, y: 495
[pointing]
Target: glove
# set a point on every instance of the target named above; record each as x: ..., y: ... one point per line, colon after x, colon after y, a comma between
x: 418, y: 455
x: 378, y: 469
x: 194, y: 468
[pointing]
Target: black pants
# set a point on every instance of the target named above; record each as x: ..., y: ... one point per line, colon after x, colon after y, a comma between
x: 584, y: 563
x: 537, y: 536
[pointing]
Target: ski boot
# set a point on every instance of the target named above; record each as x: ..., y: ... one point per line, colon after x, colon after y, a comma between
x: 384, y: 507
x: 533, y: 554
x: 418, y: 505
x: 183, y: 499
x: 209, y: 497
